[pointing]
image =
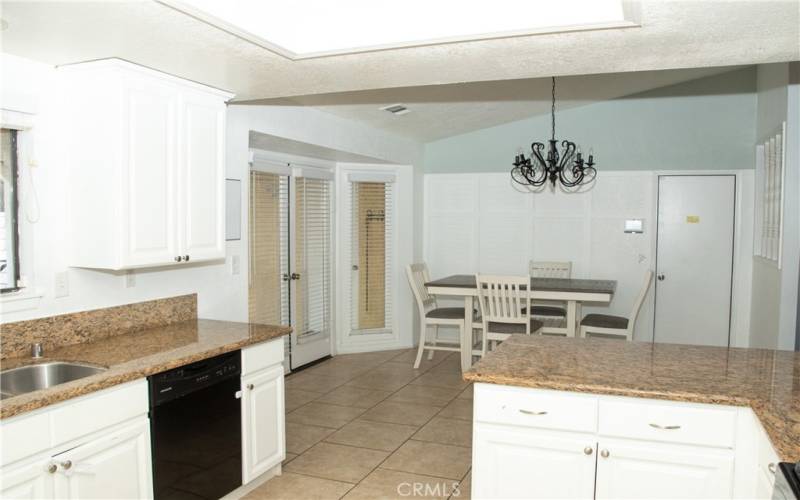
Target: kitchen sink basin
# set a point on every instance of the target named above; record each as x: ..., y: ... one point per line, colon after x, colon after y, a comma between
x: 43, y: 375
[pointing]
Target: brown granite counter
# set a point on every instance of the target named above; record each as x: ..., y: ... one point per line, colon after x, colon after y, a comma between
x: 138, y: 354
x: 767, y: 381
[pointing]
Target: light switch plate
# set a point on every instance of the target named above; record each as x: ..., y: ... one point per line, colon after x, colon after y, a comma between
x: 62, y: 284
x: 236, y: 265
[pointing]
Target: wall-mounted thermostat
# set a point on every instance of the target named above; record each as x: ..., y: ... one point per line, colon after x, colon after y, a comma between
x: 634, y: 226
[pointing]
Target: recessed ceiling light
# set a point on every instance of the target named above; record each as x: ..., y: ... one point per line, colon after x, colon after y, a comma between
x: 312, y: 28
x: 396, y: 109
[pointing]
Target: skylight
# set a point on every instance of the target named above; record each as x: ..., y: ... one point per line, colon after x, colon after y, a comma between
x: 312, y: 28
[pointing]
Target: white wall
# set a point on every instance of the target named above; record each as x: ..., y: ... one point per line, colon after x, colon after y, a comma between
x: 480, y: 223
x: 775, y: 290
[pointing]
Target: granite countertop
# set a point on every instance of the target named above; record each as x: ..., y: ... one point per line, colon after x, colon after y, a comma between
x: 138, y: 354
x: 768, y: 381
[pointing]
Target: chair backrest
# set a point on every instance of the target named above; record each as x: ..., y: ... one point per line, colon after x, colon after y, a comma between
x: 637, y: 304
x: 417, y: 277
x: 550, y: 269
x: 503, y: 297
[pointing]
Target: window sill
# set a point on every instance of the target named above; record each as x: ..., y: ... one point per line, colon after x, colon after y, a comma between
x: 21, y: 300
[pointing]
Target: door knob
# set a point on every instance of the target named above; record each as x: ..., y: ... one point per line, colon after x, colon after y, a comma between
x: 661, y: 277
x: 295, y: 276
x: 285, y: 277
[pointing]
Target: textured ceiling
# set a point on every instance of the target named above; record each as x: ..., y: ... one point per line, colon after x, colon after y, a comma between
x: 685, y: 34
x: 439, y: 111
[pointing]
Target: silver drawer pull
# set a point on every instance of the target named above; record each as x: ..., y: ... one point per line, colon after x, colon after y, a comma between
x: 665, y: 427
x: 529, y: 412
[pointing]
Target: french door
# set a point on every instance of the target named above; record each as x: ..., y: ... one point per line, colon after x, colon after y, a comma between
x: 291, y: 255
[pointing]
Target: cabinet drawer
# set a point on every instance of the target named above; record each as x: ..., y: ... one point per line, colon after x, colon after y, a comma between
x: 535, y: 408
x: 24, y: 436
x: 97, y: 411
x: 669, y: 422
x: 261, y: 356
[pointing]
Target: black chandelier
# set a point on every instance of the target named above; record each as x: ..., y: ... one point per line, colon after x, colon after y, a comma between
x: 567, y: 167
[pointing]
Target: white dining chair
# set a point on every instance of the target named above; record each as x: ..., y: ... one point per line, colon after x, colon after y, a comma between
x: 551, y: 312
x: 607, y: 324
x: 504, y: 301
x: 432, y: 315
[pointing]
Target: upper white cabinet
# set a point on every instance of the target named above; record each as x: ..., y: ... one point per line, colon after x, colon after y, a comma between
x: 145, y: 153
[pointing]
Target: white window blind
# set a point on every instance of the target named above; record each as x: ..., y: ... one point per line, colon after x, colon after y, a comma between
x: 372, y: 226
x: 313, y: 259
x: 768, y: 231
x: 269, y: 248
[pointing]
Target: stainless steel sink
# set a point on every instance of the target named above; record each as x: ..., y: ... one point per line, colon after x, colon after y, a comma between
x: 43, y: 375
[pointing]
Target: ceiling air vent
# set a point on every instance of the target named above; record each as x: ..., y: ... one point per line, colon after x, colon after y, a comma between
x: 396, y: 109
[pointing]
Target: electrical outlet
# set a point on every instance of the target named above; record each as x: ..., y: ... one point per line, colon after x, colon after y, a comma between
x: 235, y: 265
x: 62, y: 284
x: 130, y: 279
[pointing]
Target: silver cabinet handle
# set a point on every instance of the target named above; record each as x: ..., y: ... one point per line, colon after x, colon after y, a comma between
x: 52, y: 468
x: 251, y: 386
x: 665, y: 427
x: 604, y: 453
x: 588, y: 450
x: 529, y: 412
x: 772, y: 467
x: 66, y: 465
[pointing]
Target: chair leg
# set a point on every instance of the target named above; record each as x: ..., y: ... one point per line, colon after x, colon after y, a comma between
x: 422, y: 334
x: 435, y: 339
x: 583, y: 332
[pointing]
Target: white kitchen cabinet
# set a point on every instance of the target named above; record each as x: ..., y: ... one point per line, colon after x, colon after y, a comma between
x: 630, y: 469
x: 523, y: 463
x: 534, y: 443
x: 95, y: 446
x: 112, y: 465
x: 28, y: 481
x: 263, y: 443
x: 145, y: 155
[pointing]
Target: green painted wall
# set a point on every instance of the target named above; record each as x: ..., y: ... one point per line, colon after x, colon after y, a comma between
x: 707, y: 123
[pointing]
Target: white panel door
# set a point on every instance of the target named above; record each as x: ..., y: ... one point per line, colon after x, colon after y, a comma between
x: 150, y: 166
x: 202, y: 179
x: 263, y: 445
x: 653, y: 470
x: 527, y: 464
x: 30, y: 481
x: 113, y: 465
x: 694, y: 259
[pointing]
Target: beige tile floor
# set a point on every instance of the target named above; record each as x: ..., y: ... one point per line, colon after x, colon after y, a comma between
x: 370, y: 426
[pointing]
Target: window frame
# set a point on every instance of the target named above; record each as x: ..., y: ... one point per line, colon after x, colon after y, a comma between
x: 13, y: 202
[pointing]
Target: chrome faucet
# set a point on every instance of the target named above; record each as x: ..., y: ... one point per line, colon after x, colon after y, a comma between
x: 37, y: 351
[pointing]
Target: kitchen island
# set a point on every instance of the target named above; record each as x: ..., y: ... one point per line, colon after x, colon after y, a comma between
x: 604, y: 418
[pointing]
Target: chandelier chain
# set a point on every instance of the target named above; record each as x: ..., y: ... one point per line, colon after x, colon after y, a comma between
x: 553, y: 110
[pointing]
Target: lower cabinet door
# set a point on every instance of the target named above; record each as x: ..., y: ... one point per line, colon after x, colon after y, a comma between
x: 522, y: 463
x: 28, y: 481
x: 263, y: 440
x: 657, y: 470
x: 112, y: 465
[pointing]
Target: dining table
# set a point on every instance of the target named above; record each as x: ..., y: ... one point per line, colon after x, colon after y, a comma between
x: 569, y: 290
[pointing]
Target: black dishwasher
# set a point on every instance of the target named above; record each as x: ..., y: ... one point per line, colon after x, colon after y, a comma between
x: 196, y: 429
